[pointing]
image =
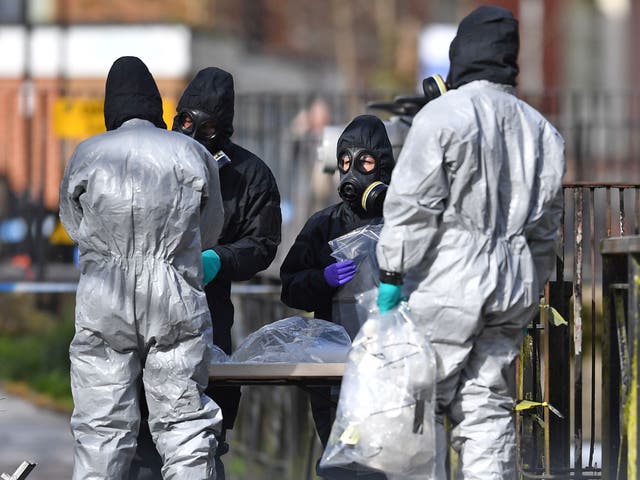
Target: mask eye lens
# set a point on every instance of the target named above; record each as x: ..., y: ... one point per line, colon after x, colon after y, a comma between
x: 207, y: 130
x: 367, y: 162
x: 185, y: 122
x: 344, y: 162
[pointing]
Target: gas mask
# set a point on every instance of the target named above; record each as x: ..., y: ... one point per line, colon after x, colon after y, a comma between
x: 433, y: 86
x: 360, y: 186
x: 198, y: 125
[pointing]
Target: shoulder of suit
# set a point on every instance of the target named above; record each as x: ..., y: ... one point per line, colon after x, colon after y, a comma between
x: 323, y: 216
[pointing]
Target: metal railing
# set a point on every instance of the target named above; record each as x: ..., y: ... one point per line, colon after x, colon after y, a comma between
x: 567, y: 366
x: 621, y: 286
x: 561, y: 363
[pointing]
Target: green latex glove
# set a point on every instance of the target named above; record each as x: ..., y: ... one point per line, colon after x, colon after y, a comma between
x: 210, y: 265
x: 388, y: 296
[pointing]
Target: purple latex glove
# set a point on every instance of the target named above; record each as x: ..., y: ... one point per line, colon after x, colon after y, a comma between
x: 340, y: 273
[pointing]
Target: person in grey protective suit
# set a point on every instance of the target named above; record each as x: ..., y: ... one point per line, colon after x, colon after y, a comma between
x: 142, y: 203
x: 247, y: 243
x: 310, y: 275
x: 471, y: 222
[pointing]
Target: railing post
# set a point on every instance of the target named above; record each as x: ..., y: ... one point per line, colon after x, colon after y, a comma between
x: 614, y: 272
x: 559, y: 377
x: 621, y: 356
x: 578, y: 196
x: 631, y: 407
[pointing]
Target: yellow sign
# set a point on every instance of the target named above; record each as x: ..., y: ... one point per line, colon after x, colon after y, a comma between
x: 83, y: 117
x: 59, y: 236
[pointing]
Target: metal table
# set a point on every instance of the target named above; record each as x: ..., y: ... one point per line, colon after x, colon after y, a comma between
x: 298, y: 374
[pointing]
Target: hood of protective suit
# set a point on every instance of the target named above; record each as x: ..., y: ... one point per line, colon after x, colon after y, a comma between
x: 211, y: 91
x: 364, y: 190
x: 131, y: 92
x: 369, y: 133
x: 485, y: 48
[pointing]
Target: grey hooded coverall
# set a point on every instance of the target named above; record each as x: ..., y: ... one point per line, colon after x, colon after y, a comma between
x: 471, y: 221
x: 142, y: 203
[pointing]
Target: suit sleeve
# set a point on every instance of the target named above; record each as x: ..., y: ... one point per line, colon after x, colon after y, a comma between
x: 71, y: 189
x: 211, y: 210
x: 415, y: 199
x: 543, y: 225
x: 259, y: 236
x: 302, y: 272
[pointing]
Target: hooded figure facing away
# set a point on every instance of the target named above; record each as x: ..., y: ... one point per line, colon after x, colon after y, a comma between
x: 251, y: 230
x: 310, y: 275
x: 473, y: 212
x: 141, y: 203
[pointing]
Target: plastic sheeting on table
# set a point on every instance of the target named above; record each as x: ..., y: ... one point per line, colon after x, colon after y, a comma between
x: 295, y: 339
x: 218, y: 355
x: 386, y: 412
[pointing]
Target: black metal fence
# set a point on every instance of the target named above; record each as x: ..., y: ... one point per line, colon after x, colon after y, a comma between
x: 570, y: 370
x: 573, y: 368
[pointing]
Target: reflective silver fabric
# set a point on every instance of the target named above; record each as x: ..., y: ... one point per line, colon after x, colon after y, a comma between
x: 471, y: 220
x: 142, y: 203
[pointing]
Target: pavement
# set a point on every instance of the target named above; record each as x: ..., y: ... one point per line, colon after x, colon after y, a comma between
x: 37, y: 435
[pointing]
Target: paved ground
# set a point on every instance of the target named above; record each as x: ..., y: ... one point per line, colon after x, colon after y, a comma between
x: 31, y: 433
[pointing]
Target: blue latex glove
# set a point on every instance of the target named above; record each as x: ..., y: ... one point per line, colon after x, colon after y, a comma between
x: 340, y: 273
x: 388, y: 296
x: 210, y: 265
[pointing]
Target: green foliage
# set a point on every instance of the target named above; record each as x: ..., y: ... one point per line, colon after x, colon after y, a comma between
x: 34, y: 346
x: 19, y: 315
x: 237, y: 466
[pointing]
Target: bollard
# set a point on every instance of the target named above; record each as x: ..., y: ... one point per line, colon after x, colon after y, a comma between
x: 21, y: 473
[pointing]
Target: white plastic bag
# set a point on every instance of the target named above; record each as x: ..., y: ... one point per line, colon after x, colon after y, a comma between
x: 358, y: 245
x: 385, y: 417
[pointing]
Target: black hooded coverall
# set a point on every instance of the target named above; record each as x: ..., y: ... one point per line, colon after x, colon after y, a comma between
x: 252, y: 219
x: 302, y: 272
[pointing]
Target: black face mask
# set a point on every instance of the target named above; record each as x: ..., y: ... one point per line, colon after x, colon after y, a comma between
x: 360, y: 188
x: 198, y: 125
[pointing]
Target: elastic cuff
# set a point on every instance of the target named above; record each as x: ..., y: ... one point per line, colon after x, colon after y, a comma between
x: 228, y: 264
x: 393, y: 278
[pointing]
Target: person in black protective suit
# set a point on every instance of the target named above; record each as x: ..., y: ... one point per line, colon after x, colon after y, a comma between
x: 252, y: 222
x: 310, y: 275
